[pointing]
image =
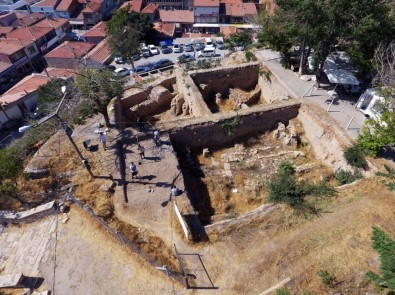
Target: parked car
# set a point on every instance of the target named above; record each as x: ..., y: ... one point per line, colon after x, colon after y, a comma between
x: 188, y: 47
x: 198, y: 46
x: 143, y: 68
x: 163, y: 46
x: 185, y: 58
x: 209, y: 43
x: 177, y: 48
x: 163, y: 63
x: 220, y: 45
x: 153, y: 50
x: 145, y: 52
x: 206, y: 52
x: 123, y: 72
x: 118, y: 60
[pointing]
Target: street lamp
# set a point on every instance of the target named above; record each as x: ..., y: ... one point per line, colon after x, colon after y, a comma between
x: 68, y: 131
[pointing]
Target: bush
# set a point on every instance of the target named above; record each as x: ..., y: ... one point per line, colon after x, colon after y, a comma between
x: 319, y: 190
x: 345, y: 177
x: 284, y: 189
x: 286, y: 168
x: 250, y: 56
x: 282, y: 291
x: 230, y: 125
x: 355, y: 157
x: 326, y: 278
x: 390, y: 175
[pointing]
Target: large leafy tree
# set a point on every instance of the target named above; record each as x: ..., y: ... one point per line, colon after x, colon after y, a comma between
x: 319, y: 24
x: 98, y: 88
x: 385, y: 246
x: 126, y: 31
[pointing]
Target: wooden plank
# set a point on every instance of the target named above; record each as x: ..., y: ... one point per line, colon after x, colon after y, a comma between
x: 280, y: 284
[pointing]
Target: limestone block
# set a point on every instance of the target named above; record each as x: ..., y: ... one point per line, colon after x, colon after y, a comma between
x: 161, y: 95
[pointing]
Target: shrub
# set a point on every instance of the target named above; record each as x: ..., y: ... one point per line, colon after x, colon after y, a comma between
x: 321, y: 189
x: 284, y: 189
x: 355, y: 157
x: 250, y: 56
x: 230, y: 125
x: 390, y: 174
x: 326, y: 278
x: 282, y: 291
x: 286, y: 168
x: 345, y: 177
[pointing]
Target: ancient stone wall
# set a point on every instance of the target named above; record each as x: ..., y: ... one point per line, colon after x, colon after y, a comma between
x: 272, y: 89
x: 211, y: 133
x: 219, y: 80
x: 191, y: 94
x: 29, y: 215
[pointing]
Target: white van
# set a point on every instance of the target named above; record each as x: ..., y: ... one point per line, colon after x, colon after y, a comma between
x: 370, y: 103
x: 206, y: 52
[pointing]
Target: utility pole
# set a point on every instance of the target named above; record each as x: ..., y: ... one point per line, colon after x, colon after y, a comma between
x: 68, y: 131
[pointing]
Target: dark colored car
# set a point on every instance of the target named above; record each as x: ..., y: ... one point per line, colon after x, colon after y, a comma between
x: 163, y: 63
x: 163, y: 46
x: 143, y: 68
x: 220, y: 45
x: 198, y: 46
x: 185, y: 58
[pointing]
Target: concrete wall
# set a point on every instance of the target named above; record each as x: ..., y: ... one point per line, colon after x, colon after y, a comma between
x: 219, y: 80
x: 208, y: 133
x: 28, y: 215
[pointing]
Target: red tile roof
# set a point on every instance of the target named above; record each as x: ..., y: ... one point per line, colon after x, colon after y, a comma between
x: 71, y: 50
x: 176, y: 16
x: 30, y: 33
x: 5, y: 30
x: 46, y: 3
x: 99, y: 30
x: 60, y: 73
x: 28, y: 84
x: 135, y: 5
x: 240, y: 9
x: 150, y: 8
x: 101, y: 53
x: 250, y: 9
x: 4, y: 66
x: 55, y: 23
x: 231, y: 1
x: 206, y: 3
x: 25, y: 20
x: 166, y: 29
x: 10, y: 46
x: 228, y: 30
x: 66, y: 5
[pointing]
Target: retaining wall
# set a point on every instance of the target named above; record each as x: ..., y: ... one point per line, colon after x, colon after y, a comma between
x: 31, y: 215
x: 208, y: 132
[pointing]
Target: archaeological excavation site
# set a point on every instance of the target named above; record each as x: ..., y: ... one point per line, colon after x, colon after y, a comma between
x: 224, y: 134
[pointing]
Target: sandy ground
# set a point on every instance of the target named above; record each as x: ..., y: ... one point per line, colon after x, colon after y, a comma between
x: 90, y: 261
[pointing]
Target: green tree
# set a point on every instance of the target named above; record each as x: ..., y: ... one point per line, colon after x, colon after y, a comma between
x: 126, y: 31
x: 385, y: 246
x: 242, y: 39
x: 98, y: 88
x: 49, y: 95
x: 10, y: 164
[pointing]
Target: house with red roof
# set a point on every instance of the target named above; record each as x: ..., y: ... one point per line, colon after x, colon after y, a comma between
x: 151, y: 10
x: 237, y: 12
x: 68, y: 8
x: 7, y: 75
x: 134, y: 5
x: 97, y: 33
x: 44, y: 37
x: 164, y: 31
x: 206, y: 11
x: 69, y: 55
x: 47, y: 7
x: 99, y: 57
x: 183, y: 19
x: 26, y: 20
x: 6, y: 19
x: 60, y: 25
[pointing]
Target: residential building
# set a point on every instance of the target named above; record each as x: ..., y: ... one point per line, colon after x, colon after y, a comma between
x: 60, y: 25
x: 206, y: 11
x: 7, y: 73
x: 98, y: 57
x: 169, y: 4
x: 22, y: 54
x: 11, y: 5
x: 97, y: 33
x: 237, y: 12
x: 151, y: 10
x: 68, y: 8
x: 5, y: 30
x: 183, y: 19
x: 44, y: 37
x: 134, y: 5
x: 47, y: 7
x: 164, y: 31
x: 69, y: 55
x: 27, y: 19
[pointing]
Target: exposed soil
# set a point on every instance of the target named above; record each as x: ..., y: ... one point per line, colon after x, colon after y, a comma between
x: 233, y: 180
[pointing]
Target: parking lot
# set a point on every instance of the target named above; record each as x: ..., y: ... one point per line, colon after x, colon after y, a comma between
x: 220, y: 53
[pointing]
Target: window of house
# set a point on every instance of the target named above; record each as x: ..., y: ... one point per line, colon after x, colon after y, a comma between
x: 31, y: 49
x: 17, y: 56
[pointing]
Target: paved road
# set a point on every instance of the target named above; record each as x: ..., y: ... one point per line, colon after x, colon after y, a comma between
x: 343, y: 111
